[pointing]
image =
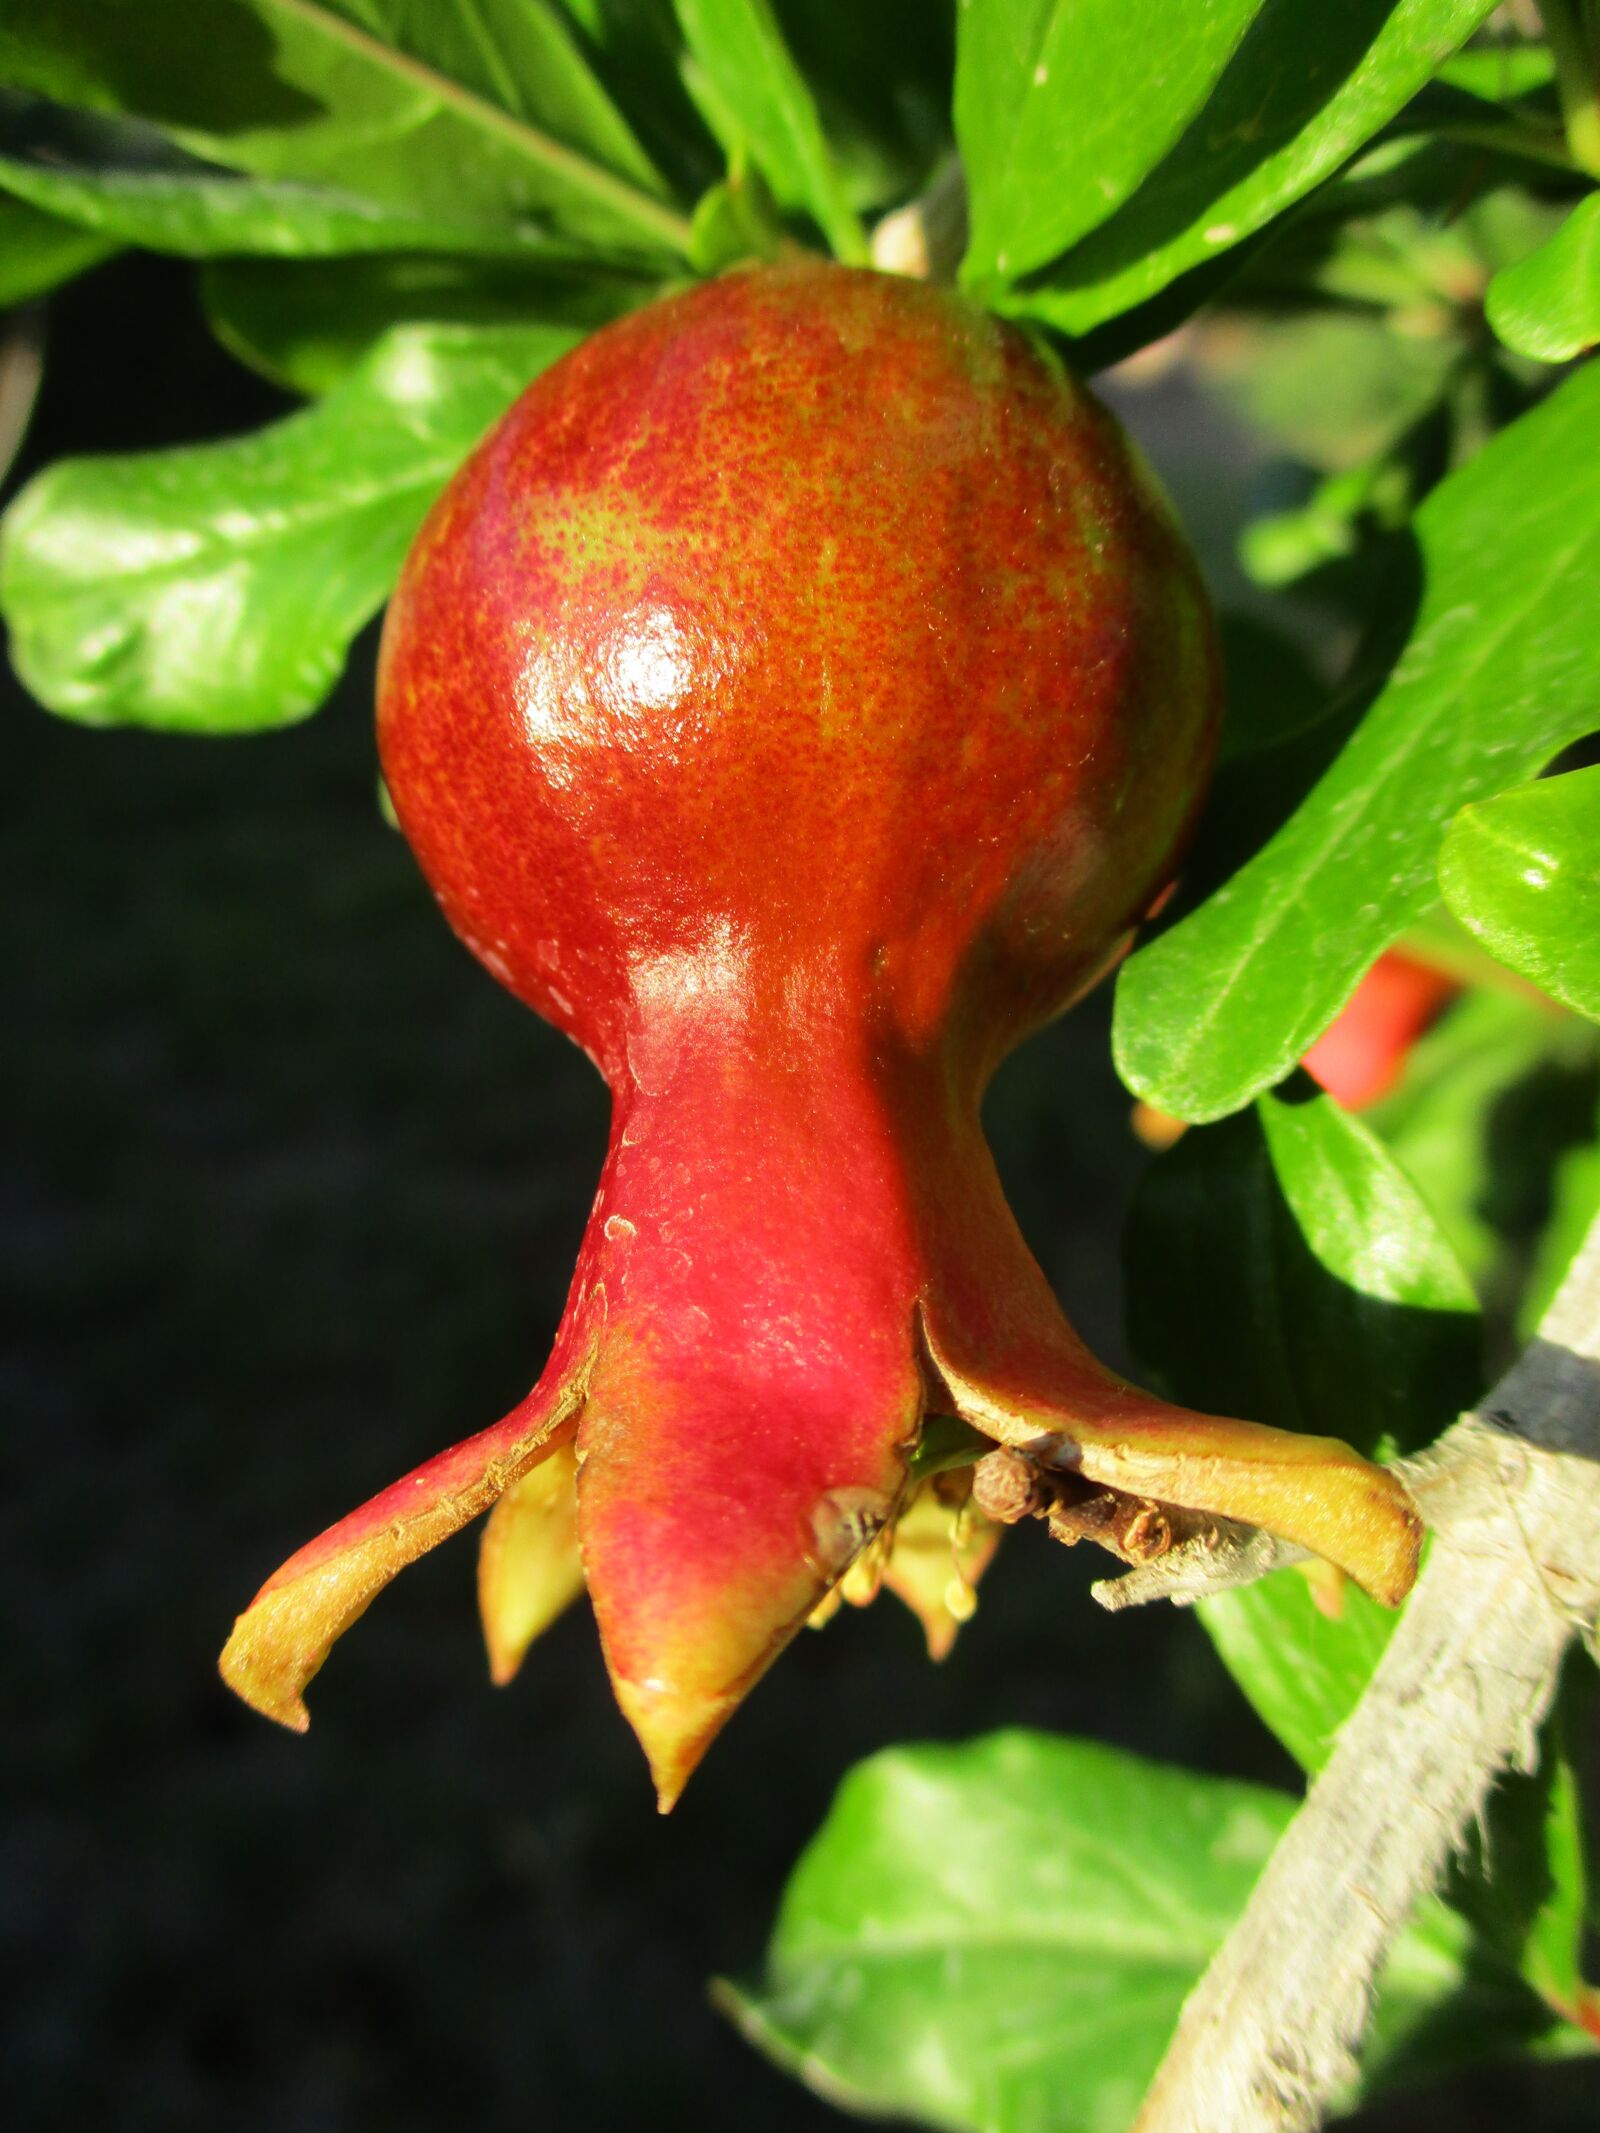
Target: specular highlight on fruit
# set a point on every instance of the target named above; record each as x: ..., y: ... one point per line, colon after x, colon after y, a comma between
x: 796, y: 699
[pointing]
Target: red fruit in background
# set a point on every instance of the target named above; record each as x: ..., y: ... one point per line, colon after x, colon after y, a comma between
x: 795, y: 699
x: 1361, y: 1055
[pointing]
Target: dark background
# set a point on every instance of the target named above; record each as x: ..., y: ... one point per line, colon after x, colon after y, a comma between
x: 290, y: 1201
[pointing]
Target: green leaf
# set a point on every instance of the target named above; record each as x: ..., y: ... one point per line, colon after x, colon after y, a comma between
x: 1273, y: 691
x: 1000, y: 1935
x: 203, y: 218
x: 1522, y: 1878
x: 215, y: 589
x: 636, y: 48
x: 1501, y: 669
x: 1061, y: 108
x: 1303, y: 1670
x: 1493, y: 1098
x: 881, y: 72
x: 1522, y: 872
x: 1282, y: 1265
x: 1548, y: 305
x: 481, y: 113
x: 1500, y: 72
x: 199, y: 211
x: 1304, y: 90
x: 758, y: 92
x: 307, y: 324
x: 38, y: 252
x: 1574, y: 1207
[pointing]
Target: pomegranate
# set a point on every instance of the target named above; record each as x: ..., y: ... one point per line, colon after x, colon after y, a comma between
x: 796, y: 699
x: 1362, y: 1054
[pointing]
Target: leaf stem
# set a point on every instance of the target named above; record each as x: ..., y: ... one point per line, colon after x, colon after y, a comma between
x: 1573, y: 48
x: 602, y: 186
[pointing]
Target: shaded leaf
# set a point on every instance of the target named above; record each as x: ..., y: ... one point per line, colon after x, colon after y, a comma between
x: 488, y: 112
x: 1282, y: 1265
x: 759, y: 95
x: 1500, y: 670
x: 1273, y: 692
x: 1548, y: 305
x: 1302, y: 93
x: 1063, y: 106
x: 881, y: 72
x: 1492, y: 1098
x: 306, y: 324
x: 1522, y: 872
x: 38, y: 252
x: 197, y: 210
x: 215, y: 589
x: 1574, y: 1206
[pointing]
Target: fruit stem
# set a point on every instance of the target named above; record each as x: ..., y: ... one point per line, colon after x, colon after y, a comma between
x: 926, y: 238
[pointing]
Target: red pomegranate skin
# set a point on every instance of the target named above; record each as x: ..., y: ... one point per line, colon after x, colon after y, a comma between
x: 796, y: 699
x: 1361, y: 1055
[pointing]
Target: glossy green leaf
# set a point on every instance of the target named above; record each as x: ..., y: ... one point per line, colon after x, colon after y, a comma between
x: 38, y: 252
x: 1522, y: 872
x: 1063, y: 106
x: 999, y: 1936
x: 1501, y: 668
x: 1304, y: 1670
x: 1548, y: 305
x: 306, y: 324
x: 1282, y: 1265
x: 481, y: 113
x: 215, y: 589
x: 759, y: 95
x: 1302, y: 93
x: 199, y: 211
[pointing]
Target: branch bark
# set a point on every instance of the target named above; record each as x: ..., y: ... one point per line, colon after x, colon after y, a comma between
x: 1512, y: 1494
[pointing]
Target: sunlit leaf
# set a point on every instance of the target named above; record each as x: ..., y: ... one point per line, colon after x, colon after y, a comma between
x: 1548, y: 305
x: 489, y: 112
x: 1500, y: 669
x: 215, y: 589
x: 1523, y: 873
x: 1063, y: 106
x: 1306, y: 88
x: 998, y: 1937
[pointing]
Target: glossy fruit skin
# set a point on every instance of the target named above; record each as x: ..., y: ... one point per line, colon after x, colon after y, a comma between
x: 818, y: 615
x: 796, y: 699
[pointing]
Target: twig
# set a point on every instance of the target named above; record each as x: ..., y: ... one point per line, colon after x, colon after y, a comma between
x: 1269, y: 2036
